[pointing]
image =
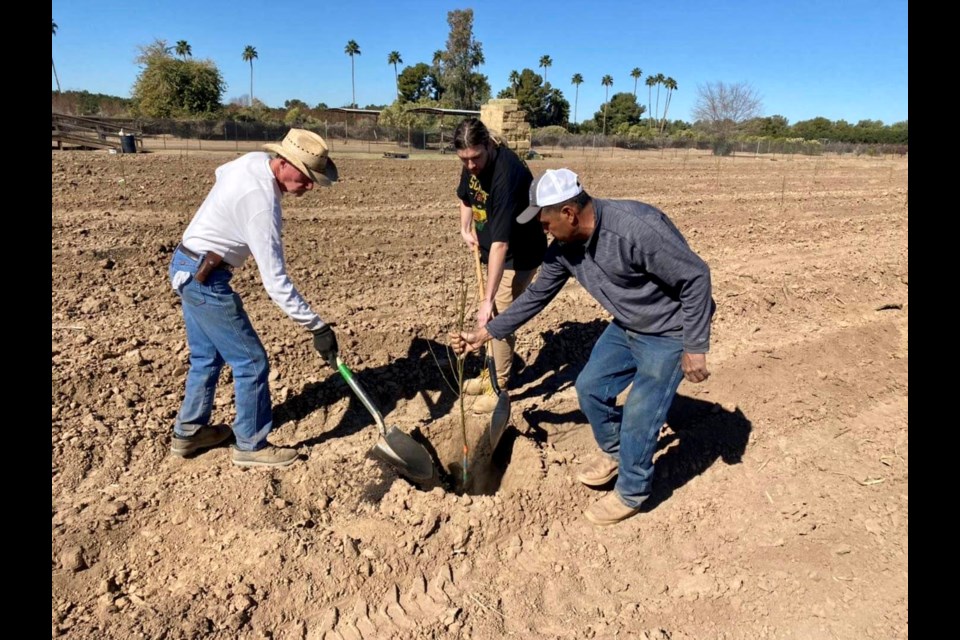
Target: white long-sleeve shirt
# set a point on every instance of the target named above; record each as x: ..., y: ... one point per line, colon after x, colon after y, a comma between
x: 240, y: 217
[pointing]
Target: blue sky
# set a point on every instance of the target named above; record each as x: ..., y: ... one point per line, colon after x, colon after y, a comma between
x: 839, y: 59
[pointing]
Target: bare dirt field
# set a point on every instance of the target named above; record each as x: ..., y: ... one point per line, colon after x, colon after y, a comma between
x: 780, y: 507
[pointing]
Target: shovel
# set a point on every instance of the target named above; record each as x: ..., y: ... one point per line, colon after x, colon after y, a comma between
x: 394, y: 447
x: 501, y: 413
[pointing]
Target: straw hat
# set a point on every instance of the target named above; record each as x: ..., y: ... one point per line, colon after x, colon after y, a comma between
x: 307, y: 152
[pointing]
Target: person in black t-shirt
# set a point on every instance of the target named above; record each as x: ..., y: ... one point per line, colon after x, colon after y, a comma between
x: 493, y: 190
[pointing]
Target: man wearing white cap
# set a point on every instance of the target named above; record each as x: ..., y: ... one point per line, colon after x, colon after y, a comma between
x: 631, y: 258
x: 242, y: 217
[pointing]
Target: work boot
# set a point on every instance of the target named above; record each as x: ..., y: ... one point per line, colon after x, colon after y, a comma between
x: 206, y: 436
x: 479, y: 385
x: 485, y: 403
x: 609, y: 510
x: 269, y: 456
x: 598, y: 470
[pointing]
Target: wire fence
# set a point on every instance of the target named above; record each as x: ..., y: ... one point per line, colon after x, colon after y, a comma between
x: 364, y: 133
x: 245, y: 134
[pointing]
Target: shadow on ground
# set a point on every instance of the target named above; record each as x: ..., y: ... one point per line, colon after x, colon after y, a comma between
x: 697, y: 432
x: 404, y: 378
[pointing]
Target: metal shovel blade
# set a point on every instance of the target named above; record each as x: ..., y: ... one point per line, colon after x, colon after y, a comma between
x: 500, y: 417
x: 394, y: 446
x: 405, y: 454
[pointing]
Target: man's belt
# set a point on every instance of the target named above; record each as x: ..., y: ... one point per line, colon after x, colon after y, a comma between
x: 211, y: 261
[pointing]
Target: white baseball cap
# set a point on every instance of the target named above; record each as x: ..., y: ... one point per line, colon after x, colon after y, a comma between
x: 553, y: 187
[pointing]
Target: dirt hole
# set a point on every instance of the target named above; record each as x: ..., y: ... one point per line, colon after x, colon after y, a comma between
x: 485, y: 472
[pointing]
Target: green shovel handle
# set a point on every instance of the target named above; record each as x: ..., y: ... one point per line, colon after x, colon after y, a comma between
x: 361, y: 394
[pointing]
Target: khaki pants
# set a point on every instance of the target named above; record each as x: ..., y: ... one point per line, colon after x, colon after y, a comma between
x: 512, y: 284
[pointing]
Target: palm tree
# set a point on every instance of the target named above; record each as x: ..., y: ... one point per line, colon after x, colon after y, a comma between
x: 352, y: 49
x: 514, y: 81
x: 54, y: 63
x: 545, y: 62
x: 606, y: 81
x: 437, y: 71
x: 650, y: 81
x: 183, y: 49
x: 249, y: 53
x: 576, y: 80
x: 671, y: 86
x: 395, y: 59
x: 635, y: 74
x: 659, y: 79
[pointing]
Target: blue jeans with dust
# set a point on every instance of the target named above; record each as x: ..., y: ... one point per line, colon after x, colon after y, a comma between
x: 629, y: 433
x: 219, y: 332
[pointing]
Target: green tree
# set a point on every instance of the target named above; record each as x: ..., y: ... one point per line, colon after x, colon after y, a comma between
x: 55, y: 77
x: 418, y: 83
x: 543, y: 105
x: 297, y: 113
x: 296, y: 103
x: 576, y: 80
x: 463, y: 87
x: 899, y: 132
x: 546, y: 63
x: 352, y: 49
x: 399, y: 116
x: 556, y: 109
x: 819, y: 128
x: 607, y: 82
x: 620, y: 113
x: 671, y: 86
x: 249, y: 54
x: 768, y: 127
x: 635, y: 74
x: 395, y: 59
x: 183, y: 49
x: 84, y: 103
x: 294, y: 117
x: 170, y: 88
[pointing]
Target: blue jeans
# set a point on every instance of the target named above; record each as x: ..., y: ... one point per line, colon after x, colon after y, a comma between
x: 219, y: 332
x: 629, y: 433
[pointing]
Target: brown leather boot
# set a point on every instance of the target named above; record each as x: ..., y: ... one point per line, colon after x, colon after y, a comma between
x: 207, y: 436
x: 609, y: 510
x: 479, y: 385
x: 598, y: 470
x: 269, y: 456
x: 485, y: 403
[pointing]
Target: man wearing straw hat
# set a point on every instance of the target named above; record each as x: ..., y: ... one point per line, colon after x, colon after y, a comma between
x: 632, y: 259
x: 242, y: 217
